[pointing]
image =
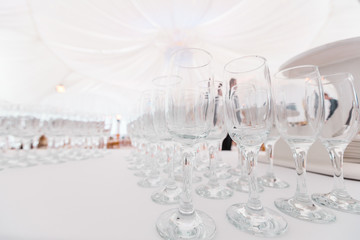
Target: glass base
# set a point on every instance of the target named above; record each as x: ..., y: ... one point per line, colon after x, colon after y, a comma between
x: 222, y: 165
x: 174, y: 225
x: 264, y: 222
x: 235, y: 171
x: 151, y: 182
x: 49, y: 161
x: 136, y: 166
x: 305, y: 210
x: 202, y: 167
x: 273, y: 182
x: 142, y: 173
x: 166, y: 170
x: 162, y: 164
x: 220, y: 174
x: 214, y: 191
x: 130, y: 158
x: 335, y: 201
x: 195, y: 179
x: 242, y: 185
x: 21, y: 163
x: 167, y: 195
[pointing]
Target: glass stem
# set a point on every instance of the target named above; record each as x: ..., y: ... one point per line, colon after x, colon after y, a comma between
x: 212, y: 158
x: 269, y: 154
x: 241, y: 162
x: 300, y: 156
x: 251, y: 162
x: 337, y: 160
x: 169, y: 149
x: 186, y: 205
x: 153, y: 166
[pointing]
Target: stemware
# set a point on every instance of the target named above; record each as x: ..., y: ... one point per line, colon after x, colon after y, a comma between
x: 248, y: 123
x: 139, y: 140
x: 238, y: 170
x: 152, y: 179
x: 213, y: 189
x: 340, y: 127
x: 241, y: 182
x: 189, y: 115
x: 269, y: 179
x: 106, y: 130
x: 299, y: 116
x: 170, y: 193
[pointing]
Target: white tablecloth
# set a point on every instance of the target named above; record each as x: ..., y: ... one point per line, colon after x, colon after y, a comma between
x: 99, y: 199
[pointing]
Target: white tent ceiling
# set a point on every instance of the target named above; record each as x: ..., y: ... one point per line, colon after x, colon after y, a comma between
x: 106, y: 52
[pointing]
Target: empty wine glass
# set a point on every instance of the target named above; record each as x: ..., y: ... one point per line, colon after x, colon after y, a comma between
x: 340, y: 127
x: 269, y: 179
x: 153, y: 178
x: 216, y: 166
x: 189, y: 115
x: 299, y: 116
x: 213, y: 189
x: 248, y: 123
x: 170, y: 193
x: 139, y: 161
x: 241, y: 182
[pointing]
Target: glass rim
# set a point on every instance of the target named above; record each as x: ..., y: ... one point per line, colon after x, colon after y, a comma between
x: 156, y: 80
x: 348, y: 75
x: 150, y: 92
x: 198, y: 49
x: 314, y: 67
x: 244, y: 57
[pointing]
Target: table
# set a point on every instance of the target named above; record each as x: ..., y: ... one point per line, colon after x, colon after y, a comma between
x: 99, y: 199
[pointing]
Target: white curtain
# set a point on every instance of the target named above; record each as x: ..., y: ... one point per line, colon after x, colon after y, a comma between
x: 106, y: 52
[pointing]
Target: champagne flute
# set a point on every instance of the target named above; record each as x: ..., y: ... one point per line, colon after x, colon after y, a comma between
x: 299, y: 116
x: 341, y: 126
x: 248, y: 122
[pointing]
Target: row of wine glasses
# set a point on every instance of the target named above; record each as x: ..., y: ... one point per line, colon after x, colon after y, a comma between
x: 34, y: 135
x: 188, y: 108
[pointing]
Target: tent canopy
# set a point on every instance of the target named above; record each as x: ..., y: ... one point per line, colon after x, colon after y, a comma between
x: 106, y: 52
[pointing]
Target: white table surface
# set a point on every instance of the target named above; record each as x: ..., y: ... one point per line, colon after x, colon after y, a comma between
x: 99, y: 199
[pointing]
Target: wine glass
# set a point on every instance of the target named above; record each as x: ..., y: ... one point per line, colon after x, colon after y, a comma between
x: 216, y: 166
x: 107, y: 125
x: 299, y: 116
x: 213, y: 189
x: 340, y: 127
x: 138, y: 141
x: 248, y: 122
x: 152, y: 179
x: 170, y: 193
x: 189, y: 114
x: 241, y: 182
x: 269, y: 179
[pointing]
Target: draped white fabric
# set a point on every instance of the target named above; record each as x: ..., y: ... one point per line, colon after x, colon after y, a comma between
x: 106, y: 52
